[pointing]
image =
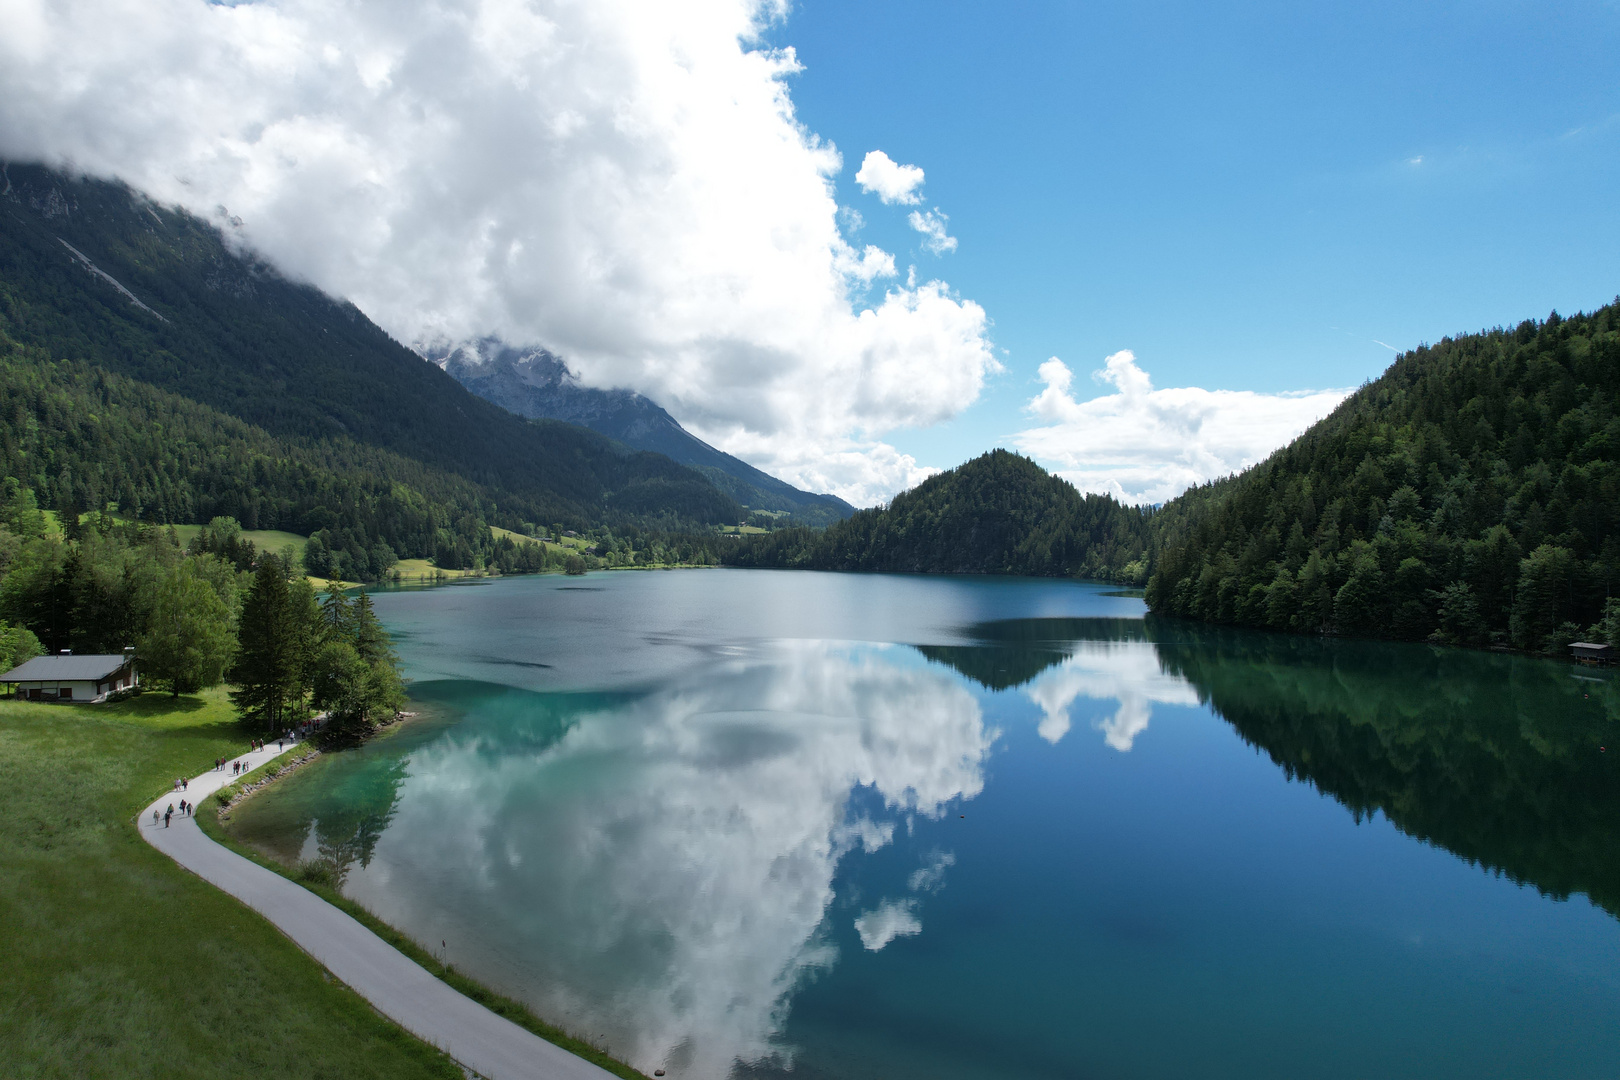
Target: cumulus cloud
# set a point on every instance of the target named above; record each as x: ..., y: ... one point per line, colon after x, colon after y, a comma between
x: 1146, y: 445
x: 623, y: 182
x: 879, y: 175
x: 932, y: 225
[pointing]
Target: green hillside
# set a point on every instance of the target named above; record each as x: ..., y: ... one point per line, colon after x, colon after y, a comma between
x: 1469, y: 495
x: 997, y: 514
x: 94, y: 274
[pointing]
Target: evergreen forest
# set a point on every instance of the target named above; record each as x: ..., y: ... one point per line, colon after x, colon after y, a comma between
x: 1470, y: 495
x: 997, y: 514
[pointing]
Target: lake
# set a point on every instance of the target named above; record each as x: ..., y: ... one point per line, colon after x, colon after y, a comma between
x: 768, y: 824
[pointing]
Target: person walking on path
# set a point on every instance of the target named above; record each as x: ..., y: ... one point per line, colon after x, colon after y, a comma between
x: 166, y: 817
x: 154, y: 817
x: 183, y: 785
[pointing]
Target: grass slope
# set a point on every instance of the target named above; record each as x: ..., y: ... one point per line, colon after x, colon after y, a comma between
x: 120, y: 964
x: 263, y: 539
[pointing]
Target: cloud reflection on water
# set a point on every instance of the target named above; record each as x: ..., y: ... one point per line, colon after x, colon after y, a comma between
x: 661, y: 873
x: 1127, y: 672
x: 656, y: 871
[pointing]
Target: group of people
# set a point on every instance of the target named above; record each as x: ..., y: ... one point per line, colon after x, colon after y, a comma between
x: 185, y: 811
x: 238, y: 767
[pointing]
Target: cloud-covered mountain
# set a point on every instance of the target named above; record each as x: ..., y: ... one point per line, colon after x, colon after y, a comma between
x: 624, y: 181
x: 344, y: 427
x: 536, y: 383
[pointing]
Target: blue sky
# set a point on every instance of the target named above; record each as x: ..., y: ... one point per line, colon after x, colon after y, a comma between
x: 1246, y: 196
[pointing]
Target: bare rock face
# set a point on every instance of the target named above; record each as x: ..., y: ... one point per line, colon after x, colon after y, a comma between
x: 536, y: 383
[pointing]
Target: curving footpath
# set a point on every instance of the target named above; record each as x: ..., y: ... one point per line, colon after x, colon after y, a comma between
x: 476, y: 1038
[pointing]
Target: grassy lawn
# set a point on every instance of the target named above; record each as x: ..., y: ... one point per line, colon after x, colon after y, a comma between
x: 118, y: 963
x: 422, y: 571
x: 264, y: 539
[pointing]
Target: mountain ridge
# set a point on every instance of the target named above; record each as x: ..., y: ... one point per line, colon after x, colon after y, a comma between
x: 536, y: 383
x: 94, y: 272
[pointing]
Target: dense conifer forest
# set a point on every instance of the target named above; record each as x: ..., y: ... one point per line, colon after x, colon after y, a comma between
x: 997, y: 514
x: 1470, y: 495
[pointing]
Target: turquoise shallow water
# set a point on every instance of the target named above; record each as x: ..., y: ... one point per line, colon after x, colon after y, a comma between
x: 769, y: 824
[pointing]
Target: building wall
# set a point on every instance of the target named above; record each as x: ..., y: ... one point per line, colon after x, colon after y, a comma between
x: 82, y: 690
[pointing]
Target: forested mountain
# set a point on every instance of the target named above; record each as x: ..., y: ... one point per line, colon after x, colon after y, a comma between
x: 94, y: 274
x: 1470, y: 495
x: 539, y: 385
x: 997, y: 514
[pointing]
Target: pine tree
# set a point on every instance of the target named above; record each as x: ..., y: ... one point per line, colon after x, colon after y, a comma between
x: 274, y: 641
x: 371, y: 641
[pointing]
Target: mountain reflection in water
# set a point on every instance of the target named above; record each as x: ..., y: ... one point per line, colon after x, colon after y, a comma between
x: 1503, y: 760
x: 663, y: 871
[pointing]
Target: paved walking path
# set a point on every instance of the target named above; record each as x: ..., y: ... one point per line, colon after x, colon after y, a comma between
x: 489, y: 1045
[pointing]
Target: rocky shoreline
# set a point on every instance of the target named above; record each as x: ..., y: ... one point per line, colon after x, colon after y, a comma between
x: 228, y: 797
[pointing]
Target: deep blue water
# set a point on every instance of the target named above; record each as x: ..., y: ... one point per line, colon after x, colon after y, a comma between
x: 767, y: 824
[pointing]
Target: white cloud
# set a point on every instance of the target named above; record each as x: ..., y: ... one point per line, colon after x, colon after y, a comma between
x: 624, y: 182
x: 889, y: 920
x: 879, y: 175
x: 932, y: 225
x: 1145, y: 445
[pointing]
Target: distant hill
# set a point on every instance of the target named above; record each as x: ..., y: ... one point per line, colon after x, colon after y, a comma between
x: 96, y: 275
x: 1471, y: 494
x: 537, y: 384
x: 997, y: 514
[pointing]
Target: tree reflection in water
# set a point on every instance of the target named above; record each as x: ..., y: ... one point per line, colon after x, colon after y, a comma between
x: 1511, y: 762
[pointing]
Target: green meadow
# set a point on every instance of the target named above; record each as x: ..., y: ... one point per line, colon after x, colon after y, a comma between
x: 118, y: 963
x: 271, y: 540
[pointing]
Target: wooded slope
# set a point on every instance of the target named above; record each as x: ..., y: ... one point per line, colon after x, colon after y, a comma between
x: 1469, y: 495
x: 997, y: 514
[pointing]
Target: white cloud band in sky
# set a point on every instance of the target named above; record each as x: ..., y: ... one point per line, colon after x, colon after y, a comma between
x: 1143, y: 445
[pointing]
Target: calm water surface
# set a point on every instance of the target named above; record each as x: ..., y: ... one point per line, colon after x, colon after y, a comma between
x: 769, y: 824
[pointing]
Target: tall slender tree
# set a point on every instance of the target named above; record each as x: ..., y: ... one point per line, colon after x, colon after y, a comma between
x: 273, y: 640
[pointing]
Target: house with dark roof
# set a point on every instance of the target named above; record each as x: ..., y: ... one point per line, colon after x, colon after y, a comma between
x: 66, y: 677
x: 1592, y: 652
